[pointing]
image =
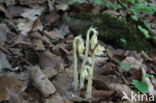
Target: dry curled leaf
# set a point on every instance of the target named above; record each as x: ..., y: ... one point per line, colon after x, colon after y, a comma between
x: 32, y: 14
x: 49, y: 60
x: 39, y: 45
x: 53, y: 35
x: 37, y: 26
x: 41, y: 82
x: 2, y: 9
x: 15, y: 11
x: 62, y: 7
x: 132, y: 62
x: 99, y: 95
x: 24, y: 26
x: 4, y: 63
x: 10, y: 83
x: 4, y: 30
x: 56, y: 98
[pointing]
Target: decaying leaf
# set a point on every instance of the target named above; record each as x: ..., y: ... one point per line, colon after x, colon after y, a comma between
x: 36, y: 39
x: 4, y: 30
x: 32, y: 14
x: 2, y: 9
x: 50, y: 5
x: 53, y: 35
x: 56, y: 98
x: 41, y: 82
x: 151, y: 89
x: 49, y: 60
x: 24, y: 26
x: 112, y: 12
x: 15, y: 11
x: 132, y: 62
x: 37, y: 26
x: 10, y: 83
x: 4, y: 63
x: 98, y: 95
x: 28, y: 2
x: 50, y: 72
x: 21, y: 40
x: 20, y: 97
x: 120, y: 88
x: 10, y: 2
x: 62, y: 7
x: 52, y: 17
x: 65, y: 79
x: 39, y: 45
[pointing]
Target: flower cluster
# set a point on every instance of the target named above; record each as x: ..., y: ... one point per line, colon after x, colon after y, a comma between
x: 86, y: 70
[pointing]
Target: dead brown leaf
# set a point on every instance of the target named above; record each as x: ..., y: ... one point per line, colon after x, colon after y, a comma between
x: 15, y: 11
x: 154, y: 57
x: 4, y: 30
x: 50, y: 72
x: 49, y: 60
x: 4, y: 63
x: 52, y: 17
x: 86, y: 7
x: 66, y: 80
x: 39, y: 45
x: 11, y: 83
x: 63, y: 6
x: 10, y: 2
x: 37, y: 26
x: 132, y: 63
x: 22, y: 40
x: 2, y: 9
x: 16, y: 51
x: 99, y: 95
x: 41, y: 82
x: 56, y: 98
x: 120, y: 88
x: 53, y: 35
x: 24, y: 26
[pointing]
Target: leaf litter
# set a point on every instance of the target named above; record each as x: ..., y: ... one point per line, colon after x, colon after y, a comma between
x: 36, y: 63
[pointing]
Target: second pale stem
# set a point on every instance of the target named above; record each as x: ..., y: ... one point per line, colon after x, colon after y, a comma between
x: 85, y: 58
x: 90, y: 79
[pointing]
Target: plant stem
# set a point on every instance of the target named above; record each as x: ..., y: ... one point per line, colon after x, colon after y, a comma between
x: 85, y: 58
x: 90, y: 79
x: 75, y: 66
x: 79, y: 39
x: 89, y: 85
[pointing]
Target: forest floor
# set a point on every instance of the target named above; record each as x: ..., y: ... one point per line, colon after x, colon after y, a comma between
x: 36, y: 55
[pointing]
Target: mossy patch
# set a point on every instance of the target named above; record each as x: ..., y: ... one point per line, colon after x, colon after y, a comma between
x: 112, y: 29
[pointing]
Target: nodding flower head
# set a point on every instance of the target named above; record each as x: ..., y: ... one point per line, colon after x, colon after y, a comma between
x: 93, y: 41
x: 99, y: 50
x: 84, y: 74
x: 81, y: 47
x: 93, y: 30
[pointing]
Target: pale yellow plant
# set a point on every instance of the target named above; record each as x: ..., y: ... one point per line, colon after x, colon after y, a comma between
x: 80, y: 51
x: 86, y: 71
x: 93, y: 42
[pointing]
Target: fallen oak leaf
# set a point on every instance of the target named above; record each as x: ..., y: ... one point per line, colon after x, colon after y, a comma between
x: 53, y: 35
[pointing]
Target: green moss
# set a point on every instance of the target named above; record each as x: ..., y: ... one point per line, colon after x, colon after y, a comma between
x: 112, y: 29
